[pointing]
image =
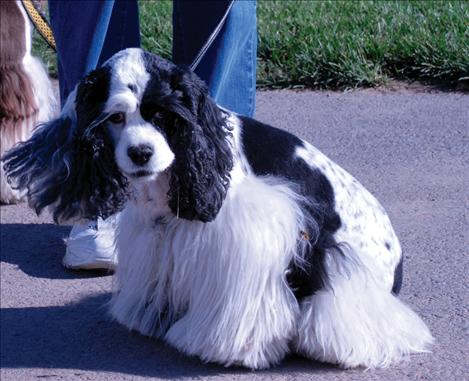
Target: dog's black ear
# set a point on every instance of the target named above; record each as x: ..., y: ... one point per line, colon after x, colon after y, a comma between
x: 199, y: 138
x: 69, y: 163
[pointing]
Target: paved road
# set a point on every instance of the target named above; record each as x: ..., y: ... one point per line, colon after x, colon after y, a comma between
x: 411, y: 150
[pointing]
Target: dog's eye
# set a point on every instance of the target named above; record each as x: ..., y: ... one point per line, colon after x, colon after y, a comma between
x: 117, y: 118
x: 157, y: 115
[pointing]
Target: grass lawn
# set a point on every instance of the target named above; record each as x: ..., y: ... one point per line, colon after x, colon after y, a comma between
x: 338, y: 44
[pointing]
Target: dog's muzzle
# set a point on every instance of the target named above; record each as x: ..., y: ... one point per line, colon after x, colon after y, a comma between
x: 140, y: 155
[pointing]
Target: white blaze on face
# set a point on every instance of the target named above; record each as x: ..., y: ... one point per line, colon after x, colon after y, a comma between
x: 128, y: 80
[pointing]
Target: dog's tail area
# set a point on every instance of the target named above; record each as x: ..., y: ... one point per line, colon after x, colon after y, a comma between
x: 356, y: 322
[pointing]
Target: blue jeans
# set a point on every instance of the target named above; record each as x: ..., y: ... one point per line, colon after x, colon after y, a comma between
x: 229, y: 65
x: 87, y: 33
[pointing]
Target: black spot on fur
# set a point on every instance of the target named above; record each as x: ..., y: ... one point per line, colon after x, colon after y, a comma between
x: 398, y: 277
x: 387, y: 245
x: 271, y: 151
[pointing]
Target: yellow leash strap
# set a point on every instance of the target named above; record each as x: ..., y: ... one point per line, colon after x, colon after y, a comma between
x: 39, y: 22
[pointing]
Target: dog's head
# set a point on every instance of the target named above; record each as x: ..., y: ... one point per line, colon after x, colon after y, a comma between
x: 127, y: 122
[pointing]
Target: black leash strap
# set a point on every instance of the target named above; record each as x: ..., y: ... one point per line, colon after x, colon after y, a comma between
x: 211, y: 38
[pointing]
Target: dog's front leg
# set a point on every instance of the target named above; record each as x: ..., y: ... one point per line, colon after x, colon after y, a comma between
x: 140, y: 299
x: 239, y: 314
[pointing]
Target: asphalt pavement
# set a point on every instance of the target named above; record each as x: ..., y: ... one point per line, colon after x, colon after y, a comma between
x: 410, y: 148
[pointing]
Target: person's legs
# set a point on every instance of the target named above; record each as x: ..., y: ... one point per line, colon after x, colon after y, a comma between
x: 229, y: 65
x: 123, y: 31
x: 87, y: 33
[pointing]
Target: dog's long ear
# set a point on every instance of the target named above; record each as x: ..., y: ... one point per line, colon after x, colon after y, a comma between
x: 69, y: 163
x: 200, y: 174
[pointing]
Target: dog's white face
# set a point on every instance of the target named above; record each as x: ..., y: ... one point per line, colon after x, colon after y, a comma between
x: 141, y: 149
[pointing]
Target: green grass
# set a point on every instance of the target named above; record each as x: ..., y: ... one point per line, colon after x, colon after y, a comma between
x: 361, y: 43
x: 339, y: 44
x: 156, y: 26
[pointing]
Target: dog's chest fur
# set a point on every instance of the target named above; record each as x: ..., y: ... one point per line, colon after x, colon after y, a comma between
x: 185, y: 266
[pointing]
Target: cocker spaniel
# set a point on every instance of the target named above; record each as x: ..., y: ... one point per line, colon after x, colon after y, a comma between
x: 238, y: 242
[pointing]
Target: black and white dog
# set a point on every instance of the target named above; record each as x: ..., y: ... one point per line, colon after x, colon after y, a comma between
x: 237, y: 242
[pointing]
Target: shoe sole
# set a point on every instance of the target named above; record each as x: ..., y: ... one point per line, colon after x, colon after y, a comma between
x: 91, y: 266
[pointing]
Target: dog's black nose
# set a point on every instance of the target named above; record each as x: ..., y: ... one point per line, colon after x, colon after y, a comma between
x: 140, y: 154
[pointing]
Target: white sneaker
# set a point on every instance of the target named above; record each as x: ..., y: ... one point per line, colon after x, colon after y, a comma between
x: 91, y: 246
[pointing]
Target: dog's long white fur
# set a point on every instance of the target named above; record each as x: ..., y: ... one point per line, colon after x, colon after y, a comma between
x: 223, y: 280
x: 217, y: 290
x: 358, y: 322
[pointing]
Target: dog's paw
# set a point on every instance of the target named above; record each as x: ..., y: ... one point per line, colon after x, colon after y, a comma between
x: 211, y: 346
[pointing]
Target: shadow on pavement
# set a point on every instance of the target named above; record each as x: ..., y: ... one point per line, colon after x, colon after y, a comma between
x: 82, y: 336
x: 37, y: 249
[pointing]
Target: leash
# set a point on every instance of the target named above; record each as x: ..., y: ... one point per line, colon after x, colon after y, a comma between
x: 39, y: 21
x: 210, y: 39
x: 42, y: 26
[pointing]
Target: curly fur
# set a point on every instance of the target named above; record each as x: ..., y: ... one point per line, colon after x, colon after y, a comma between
x: 69, y: 162
x: 199, y: 139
